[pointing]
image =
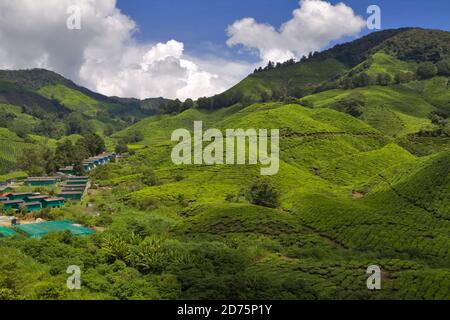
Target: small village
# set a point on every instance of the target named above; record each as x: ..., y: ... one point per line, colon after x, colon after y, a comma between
x: 34, y: 194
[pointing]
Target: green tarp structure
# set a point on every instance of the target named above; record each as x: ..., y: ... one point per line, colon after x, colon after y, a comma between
x: 72, y: 195
x: 38, y: 230
x: 39, y: 182
x: 76, y: 182
x: 19, y: 196
x: 53, y: 203
x: 85, y: 178
x: 7, y: 232
x: 33, y: 206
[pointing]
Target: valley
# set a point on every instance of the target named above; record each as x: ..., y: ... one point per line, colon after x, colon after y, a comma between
x: 363, y: 179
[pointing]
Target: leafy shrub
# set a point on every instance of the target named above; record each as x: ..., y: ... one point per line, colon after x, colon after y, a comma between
x: 307, y: 104
x: 362, y: 80
x: 292, y: 100
x: 121, y: 148
x: 182, y: 201
x: 49, y: 291
x: 104, y: 220
x: 149, y: 178
x: 154, y: 255
x: 230, y: 197
x: 178, y: 177
x: 147, y: 204
x: 351, y: 104
x: 9, y: 294
x: 45, y: 214
x: 426, y: 70
x: 262, y: 193
x: 403, y: 77
x: 132, y: 137
x: 384, y: 79
x: 443, y: 68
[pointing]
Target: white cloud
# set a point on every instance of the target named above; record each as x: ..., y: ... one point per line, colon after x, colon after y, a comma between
x: 104, y: 55
x: 313, y: 25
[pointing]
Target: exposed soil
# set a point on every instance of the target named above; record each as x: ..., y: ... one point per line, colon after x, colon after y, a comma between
x: 357, y: 195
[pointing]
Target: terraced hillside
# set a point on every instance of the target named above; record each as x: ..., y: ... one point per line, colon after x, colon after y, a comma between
x: 363, y: 177
x: 363, y: 180
x: 11, y: 148
x: 350, y: 197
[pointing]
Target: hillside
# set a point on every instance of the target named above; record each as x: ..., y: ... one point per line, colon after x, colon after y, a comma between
x: 341, y: 196
x: 53, y: 86
x: 363, y: 180
x: 40, y: 105
x: 391, y: 50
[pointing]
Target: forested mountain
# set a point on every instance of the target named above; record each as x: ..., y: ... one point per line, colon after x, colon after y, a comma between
x: 325, y: 70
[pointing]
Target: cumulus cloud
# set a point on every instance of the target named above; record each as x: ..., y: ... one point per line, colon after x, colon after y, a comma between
x: 104, y: 55
x: 159, y: 70
x: 313, y: 25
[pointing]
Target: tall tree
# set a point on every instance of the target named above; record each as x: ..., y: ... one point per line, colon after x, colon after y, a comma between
x: 426, y: 70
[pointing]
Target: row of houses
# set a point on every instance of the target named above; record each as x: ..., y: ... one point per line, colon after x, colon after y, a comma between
x: 32, y: 202
x: 90, y: 163
x: 42, y: 181
x: 72, y: 189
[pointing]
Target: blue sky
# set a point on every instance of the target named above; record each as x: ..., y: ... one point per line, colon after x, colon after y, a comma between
x: 201, y: 24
